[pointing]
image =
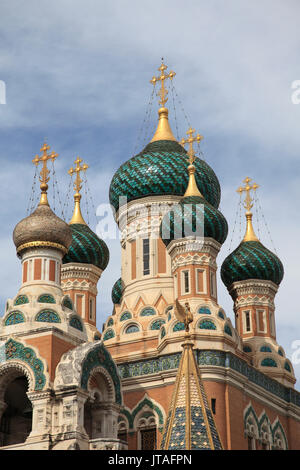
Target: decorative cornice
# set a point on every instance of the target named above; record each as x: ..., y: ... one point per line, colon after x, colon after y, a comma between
x: 38, y: 244
x: 185, y: 245
x: 253, y: 286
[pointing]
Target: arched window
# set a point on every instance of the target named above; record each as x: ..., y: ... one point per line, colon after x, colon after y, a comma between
x: 157, y: 324
x: 48, y: 316
x: 204, y: 310
x: 207, y: 325
x: 147, y: 311
x: 132, y: 329
x: 109, y: 334
x: 46, y: 299
x: 125, y: 316
x: 16, y: 420
x: 147, y: 434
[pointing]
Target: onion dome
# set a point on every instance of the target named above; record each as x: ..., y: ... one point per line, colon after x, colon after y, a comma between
x: 42, y: 228
x: 193, y: 216
x: 160, y: 170
x: 86, y: 246
x: 117, y: 291
x: 251, y: 259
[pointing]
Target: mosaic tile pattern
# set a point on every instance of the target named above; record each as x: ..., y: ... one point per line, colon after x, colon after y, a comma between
x: 265, y: 349
x: 48, y: 316
x: 227, y: 330
x: 161, y: 169
x: 13, y: 318
x: 251, y: 260
x: 99, y: 356
x: 15, y: 350
x: 110, y: 322
x: 193, y: 215
x: 147, y: 311
x: 21, y: 299
x: 204, y: 310
x: 125, y: 316
x: 117, y: 291
x: 207, y: 325
x: 157, y: 324
x: 46, y: 299
x: 268, y: 362
x: 75, y: 322
x: 109, y: 334
x: 179, y: 326
x: 86, y: 247
x: 132, y: 329
x: 67, y: 302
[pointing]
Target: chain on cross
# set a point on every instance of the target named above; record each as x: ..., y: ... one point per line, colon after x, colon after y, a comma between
x: 163, y: 76
x: 44, y: 174
x: 78, y: 168
x: 248, y: 203
x: 190, y: 140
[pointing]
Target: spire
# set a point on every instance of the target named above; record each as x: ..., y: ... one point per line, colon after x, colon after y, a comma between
x: 248, y: 204
x: 190, y: 424
x: 163, y: 131
x: 192, y: 189
x: 44, y: 174
x: 77, y: 216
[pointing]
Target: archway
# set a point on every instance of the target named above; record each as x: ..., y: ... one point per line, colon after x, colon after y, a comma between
x: 16, y: 420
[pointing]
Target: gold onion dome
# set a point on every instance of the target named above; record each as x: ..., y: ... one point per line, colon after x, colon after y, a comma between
x: 160, y: 168
x: 251, y: 259
x: 42, y: 228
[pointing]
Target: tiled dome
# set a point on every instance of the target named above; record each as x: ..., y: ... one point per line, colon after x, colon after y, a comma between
x: 160, y: 169
x: 188, y: 216
x: 251, y: 260
x: 42, y: 226
x: 117, y: 291
x: 86, y: 247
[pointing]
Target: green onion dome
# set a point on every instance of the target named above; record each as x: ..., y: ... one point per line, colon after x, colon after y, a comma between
x: 192, y: 214
x: 160, y: 169
x: 251, y: 260
x: 117, y: 291
x: 86, y: 247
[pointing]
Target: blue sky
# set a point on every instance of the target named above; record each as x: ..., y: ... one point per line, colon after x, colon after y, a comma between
x: 77, y: 72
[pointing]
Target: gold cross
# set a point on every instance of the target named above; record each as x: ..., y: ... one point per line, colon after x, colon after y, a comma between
x: 248, y: 203
x: 163, y: 76
x: 44, y: 174
x: 77, y: 170
x: 190, y: 140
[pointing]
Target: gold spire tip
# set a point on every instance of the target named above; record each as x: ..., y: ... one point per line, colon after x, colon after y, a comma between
x: 163, y: 131
x: 44, y: 174
x: 192, y: 189
x: 77, y: 216
x: 248, y: 204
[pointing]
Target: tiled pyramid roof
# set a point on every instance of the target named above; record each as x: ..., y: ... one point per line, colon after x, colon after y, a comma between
x: 190, y: 423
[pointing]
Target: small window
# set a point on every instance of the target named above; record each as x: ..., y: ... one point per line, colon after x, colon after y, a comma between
x: 185, y: 288
x: 213, y: 285
x: 213, y: 405
x: 91, y: 313
x: 146, y: 256
x: 247, y: 321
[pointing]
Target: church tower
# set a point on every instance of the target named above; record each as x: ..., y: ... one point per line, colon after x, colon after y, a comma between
x: 84, y: 263
x: 252, y: 275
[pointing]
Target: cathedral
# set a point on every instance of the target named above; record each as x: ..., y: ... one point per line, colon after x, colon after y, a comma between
x: 169, y: 370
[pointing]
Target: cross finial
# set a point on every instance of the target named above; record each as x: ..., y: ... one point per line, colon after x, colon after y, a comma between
x: 163, y: 76
x: 44, y: 174
x: 190, y: 140
x: 248, y: 202
x: 77, y: 170
x: 77, y: 216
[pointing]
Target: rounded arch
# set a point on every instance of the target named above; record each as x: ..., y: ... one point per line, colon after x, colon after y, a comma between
x: 76, y: 322
x: 147, y: 311
x: 15, y: 406
x: 131, y: 327
x: 157, y: 324
x: 206, y: 324
x: 101, y: 386
x: 14, y: 317
x: 47, y: 315
x: 125, y: 315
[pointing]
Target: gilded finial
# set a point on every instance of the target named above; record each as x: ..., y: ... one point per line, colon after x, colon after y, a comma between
x: 44, y: 174
x: 163, y: 76
x: 163, y: 131
x: 248, y: 204
x: 77, y: 216
x: 192, y: 189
